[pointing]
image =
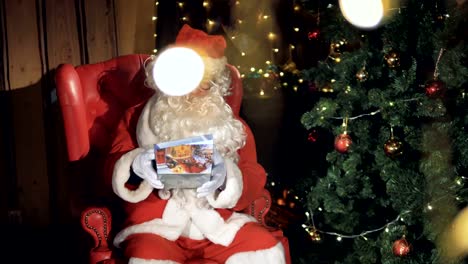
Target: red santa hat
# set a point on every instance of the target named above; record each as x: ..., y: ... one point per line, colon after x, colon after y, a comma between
x: 210, y: 47
x: 207, y: 45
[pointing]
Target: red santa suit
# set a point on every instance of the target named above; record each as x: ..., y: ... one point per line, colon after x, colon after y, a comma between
x: 172, y: 226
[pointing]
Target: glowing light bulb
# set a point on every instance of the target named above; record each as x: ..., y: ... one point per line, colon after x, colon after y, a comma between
x: 173, y: 63
x: 367, y: 14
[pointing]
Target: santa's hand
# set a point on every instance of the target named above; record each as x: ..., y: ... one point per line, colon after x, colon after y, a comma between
x: 218, y: 177
x: 144, y: 169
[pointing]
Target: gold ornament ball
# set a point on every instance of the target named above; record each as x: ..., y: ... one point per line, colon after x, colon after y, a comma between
x: 337, y: 47
x: 393, y: 59
x: 314, y: 235
x: 362, y: 75
x: 393, y: 147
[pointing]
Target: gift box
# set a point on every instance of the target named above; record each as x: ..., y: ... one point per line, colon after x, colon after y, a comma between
x: 185, y: 163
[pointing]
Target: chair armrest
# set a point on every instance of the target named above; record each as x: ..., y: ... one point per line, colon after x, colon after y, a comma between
x: 260, y: 207
x: 97, y: 221
x: 70, y: 96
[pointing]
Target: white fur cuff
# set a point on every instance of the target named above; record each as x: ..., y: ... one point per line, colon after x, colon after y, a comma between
x: 230, y: 195
x: 121, y: 175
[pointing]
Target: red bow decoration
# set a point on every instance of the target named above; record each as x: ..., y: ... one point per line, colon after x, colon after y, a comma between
x: 208, y: 45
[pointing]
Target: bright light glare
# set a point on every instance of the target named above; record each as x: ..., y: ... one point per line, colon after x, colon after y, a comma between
x: 178, y: 71
x: 362, y: 13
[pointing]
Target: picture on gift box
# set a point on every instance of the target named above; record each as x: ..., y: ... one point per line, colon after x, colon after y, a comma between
x: 191, y: 155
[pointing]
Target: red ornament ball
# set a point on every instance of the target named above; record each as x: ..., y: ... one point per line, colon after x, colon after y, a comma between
x: 312, y: 87
x: 313, y: 34
x: 343, y: 142
x: 434, y: 88
x: 401, y: 247
x: 313, y: 136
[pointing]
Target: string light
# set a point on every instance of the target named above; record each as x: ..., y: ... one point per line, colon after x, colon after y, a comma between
x: 359, y: 116
x: 339, y: 237
x: 374, y: 112
x: 154, y: 19
x: 271, y: 36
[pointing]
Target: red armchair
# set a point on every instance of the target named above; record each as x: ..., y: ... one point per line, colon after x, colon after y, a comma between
x: 92, y: 99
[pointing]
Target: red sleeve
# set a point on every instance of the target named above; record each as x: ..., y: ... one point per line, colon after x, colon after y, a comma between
x: 124, y: 140
x: 253, y: 174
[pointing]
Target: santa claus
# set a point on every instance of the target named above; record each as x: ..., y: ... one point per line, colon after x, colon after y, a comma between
x: 175, y: 225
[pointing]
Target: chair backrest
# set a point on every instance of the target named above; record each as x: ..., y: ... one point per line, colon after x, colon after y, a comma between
x: 93, y: 98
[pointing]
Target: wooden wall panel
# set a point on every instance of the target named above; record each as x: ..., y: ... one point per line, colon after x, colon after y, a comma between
x: 145, y: 27
x: 135, y: 27
x: 3, y: 50
x: 4, y: 117
x: 126, y: 17
x: 100, y: 30
x: 31, y: 163
x: 23, y: 41
x: 25, y: 74
x: 63, y: 45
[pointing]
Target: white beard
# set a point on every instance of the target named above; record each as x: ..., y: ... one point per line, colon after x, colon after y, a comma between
x: 172, y: 118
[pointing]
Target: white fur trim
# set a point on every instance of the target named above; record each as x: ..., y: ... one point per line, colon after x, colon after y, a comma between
x: 150, y: 261
x: 274, y: 255
x: 145, y: 136
x: 229, y: 197
x: 205, y: 223
x: 121, y: 175
x: 170, y: 226
x: 218, y: 231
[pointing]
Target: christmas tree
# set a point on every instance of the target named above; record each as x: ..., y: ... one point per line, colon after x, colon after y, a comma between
x: 396, y: 109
